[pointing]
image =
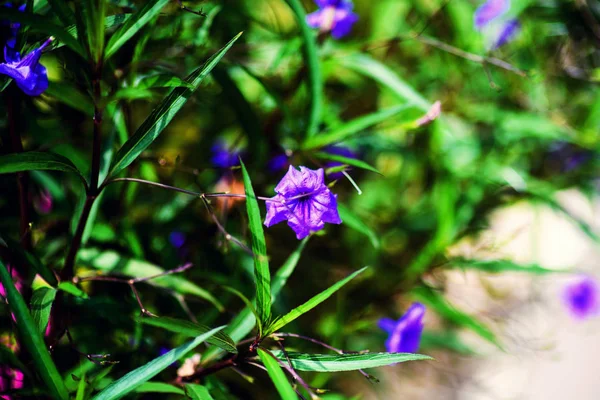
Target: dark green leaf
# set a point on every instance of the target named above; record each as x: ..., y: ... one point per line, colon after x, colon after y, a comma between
x: 158, y: 387
x: 90, y: 26
x: 162, y: 80
x: 164, y: 113
x: 132, y: 380
x: 283, y: 386
x: 62, y: 10
x: 345, y: 362
x: 8, y: 357
x: 32, y: 339
x: 22, y: 257
x: 310, y: 304
x: 351, y: 220
x: 191, y: 329
x: 496, y: 266
x: 262, y: 275
x: 41, y: 305
x: 34, y: 160
x: 140, y: 18
x: 197, y: 392
x: 346, y: 160
x: 68, y: 94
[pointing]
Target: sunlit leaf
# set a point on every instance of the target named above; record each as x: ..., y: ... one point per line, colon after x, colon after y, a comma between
x: 281, y: 382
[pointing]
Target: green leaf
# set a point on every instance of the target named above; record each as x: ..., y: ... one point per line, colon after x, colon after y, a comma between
x: 438, y: 303
x: 69, y: 95
x: 45, y: 25
x: 80, y: 395
x: 22, y: 257
x: 497, y: 266
x: 8, y: 357
x: 164, y: 113
x: 346, y: 160
x: 32, y: 339
x: 62, y: 11
x: 133, y: 379
x: 351, y: 128
x: 70, y: 288
x: 351, y: 220
x: 90, y: 26
x: 310, y: 304
x: 311, y: 60
x: 197, y: 392
x: 191, y: 329
x: 262, y: 275
x: 162, y: 80
x: 381, y: 73
x: 158, y: 387
x: 41, y: 305
x: 35, y: 160
x: 140, y: 18
x: 111, y: 261
x: 277, y: 375
x: 345, y: 362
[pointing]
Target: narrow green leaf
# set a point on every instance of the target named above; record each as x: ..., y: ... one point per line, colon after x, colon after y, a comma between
x: 346, y: 160
x: 345, y: 362
x: 80, y: 395
x: 140, y: 18
x: 70, y: 288
x: 249, y: 306
x: 69, y: 95
x: 90, y: 20
x: 262, y: 275
x: 197, y: 392
x: 32, y: 339
x: 35, y: 160
x: 497, y: 266
x: 381, y: 73
x: 111, y: 261
x: 133, y: 379
x: 41, y: 305
x: 350, y: 219
x: 191, y: 329
x: 351, y: 128
x: 438, y: 303
x: 164, y: 113
x: 315, y: 78
x: 62, y: 11
x: 158, y: 387
x: 310, y: 304
x: 162, y: 80
x: 277, y: 375
x: 20, y: 256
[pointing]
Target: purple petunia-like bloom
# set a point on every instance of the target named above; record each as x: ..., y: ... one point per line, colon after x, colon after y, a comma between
x: 404, y: 334
x: 223, y: 156
x: 489, y: 11
x: 304, y: 201
x: 581, y: 296
x: 333, y: 15
x: 30, y: 76
x: 508, y: 30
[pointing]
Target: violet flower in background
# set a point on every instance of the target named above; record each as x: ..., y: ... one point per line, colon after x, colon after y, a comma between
x: 338, y: 150
x: 14, y: 26
x: 30, y: 76
x: 581, y: 297
x: 278, y: 162
x: 304, y: 201
x: 404, y: 334
x: 223, y: 156
x: 10, y: 379
x: 43, y: 202
x: 333, y: 16
x: 489, y: 11
x: 507, y: 32
x: 177, y: 239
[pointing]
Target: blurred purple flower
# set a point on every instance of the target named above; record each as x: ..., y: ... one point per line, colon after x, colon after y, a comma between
x: 581, y: 296
x: 27, y: 72
x: 278, y: 162
x: 507, y: 32
x: 43, y: 202
x: 338, y: 150
x: 177, y: 239
x: 304, y: 201
x: 333, y: 15
x: 223, y: 156
x: 10, y: 379
x: 404, y: 334
x: 568, y: 156
x: 489, y: 11
x: 14, y: 26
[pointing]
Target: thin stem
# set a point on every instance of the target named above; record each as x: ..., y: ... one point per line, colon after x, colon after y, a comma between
x: 221, y: 228
x: 97, y: 145
x: 169, y: 272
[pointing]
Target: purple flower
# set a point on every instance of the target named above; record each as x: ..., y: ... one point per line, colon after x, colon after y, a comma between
x: 489, y: 11
x: 404, y: 334
x: 581, y: 297
x: 43, y: 202
x: 223, y: 156
x: 177, y: 239
x: 507, y: 32
x: 339, y: 151
x: 14, y: 26
x: 278, y: 162
x: 333, y: 15
x: 27, y: 72
x: 304, y: 201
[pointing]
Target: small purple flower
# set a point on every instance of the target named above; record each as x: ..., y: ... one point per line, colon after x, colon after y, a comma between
x: 489, y: 11
x: 581, y: 296
x: 14, y: 26
x: 278, y: 162
x: 43, y: 202
x: 304, y: 201
x: 507, y: 32
x: 333, y: 15
x: 177, y: 239
x: 404, y: 334
x: 28, y: 73
x: 339, y: 151
x: 223, y: 156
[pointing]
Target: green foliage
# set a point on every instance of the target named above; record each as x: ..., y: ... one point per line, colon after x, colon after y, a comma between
x: 277, y: 375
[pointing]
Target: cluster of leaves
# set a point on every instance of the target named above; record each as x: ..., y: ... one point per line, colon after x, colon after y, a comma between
x: 125, y: 119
